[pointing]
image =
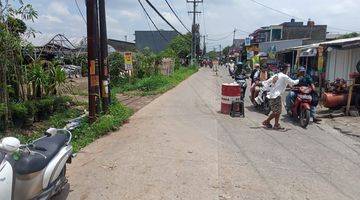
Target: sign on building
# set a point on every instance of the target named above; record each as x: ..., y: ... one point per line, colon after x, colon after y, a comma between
x: 128, y: 61
x: 247, y: 41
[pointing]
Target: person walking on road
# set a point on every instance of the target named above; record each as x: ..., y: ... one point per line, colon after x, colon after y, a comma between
x: 276, y: 86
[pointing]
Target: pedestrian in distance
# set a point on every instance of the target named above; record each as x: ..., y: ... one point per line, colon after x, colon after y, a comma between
x: 276, y: 86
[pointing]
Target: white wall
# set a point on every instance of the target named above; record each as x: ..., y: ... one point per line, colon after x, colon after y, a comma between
x: 341, y: 62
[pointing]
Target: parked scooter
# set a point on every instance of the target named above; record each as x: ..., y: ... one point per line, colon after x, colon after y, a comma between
x: 36, y: 170
x: 301, y: 107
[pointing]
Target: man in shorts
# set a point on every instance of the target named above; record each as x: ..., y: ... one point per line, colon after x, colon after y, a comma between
x: 276, y: 86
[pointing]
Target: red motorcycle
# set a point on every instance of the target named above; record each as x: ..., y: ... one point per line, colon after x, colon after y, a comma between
x: 302, y: 105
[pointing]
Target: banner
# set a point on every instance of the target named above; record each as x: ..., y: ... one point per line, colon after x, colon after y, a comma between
x: 128, y: 61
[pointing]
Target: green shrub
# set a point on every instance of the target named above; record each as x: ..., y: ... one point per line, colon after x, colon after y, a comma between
x: 2, y: 115
x: 2, y: 109
x: 18, y: 113
x: 44, y: 107
x: 61, y: 102
x: 31, y: 108
x: 152, y: 83
x: 158, y: 83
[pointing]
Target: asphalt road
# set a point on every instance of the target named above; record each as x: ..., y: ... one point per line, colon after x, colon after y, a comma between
x: 180, y: 147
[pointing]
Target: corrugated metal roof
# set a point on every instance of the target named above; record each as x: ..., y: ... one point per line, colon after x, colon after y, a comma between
x: 329, y: 43
x: 341, y: 41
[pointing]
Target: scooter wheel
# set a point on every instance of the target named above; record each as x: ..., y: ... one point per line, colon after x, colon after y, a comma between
x: 304, y: 118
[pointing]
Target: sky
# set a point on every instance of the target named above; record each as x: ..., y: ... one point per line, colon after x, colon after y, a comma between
x: 217, y: 20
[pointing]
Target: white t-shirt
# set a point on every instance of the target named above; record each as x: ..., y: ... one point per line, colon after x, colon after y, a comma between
x: 279, y: 87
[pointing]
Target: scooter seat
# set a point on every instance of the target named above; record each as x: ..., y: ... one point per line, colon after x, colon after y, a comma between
x: 47, y: 146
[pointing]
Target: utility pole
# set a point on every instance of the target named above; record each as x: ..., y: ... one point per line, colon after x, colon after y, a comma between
x: 104, y: 69
x: 204, y: 49
x: 93, y: 76
x: 234, y: 36
x: 125, y: 38
x: 194, y: 30
x: 220, y: 52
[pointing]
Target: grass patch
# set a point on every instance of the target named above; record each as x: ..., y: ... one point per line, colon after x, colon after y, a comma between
x: 58, y: 120
x: 87, y: 133
x: 156, y: 84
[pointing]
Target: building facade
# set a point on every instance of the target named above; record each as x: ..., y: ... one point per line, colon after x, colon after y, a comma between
x: 310, y: 33
x: 157, y: 41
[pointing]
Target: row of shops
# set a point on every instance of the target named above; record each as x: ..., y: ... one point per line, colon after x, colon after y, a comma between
x: 333, y: 65
x: 326, y: 61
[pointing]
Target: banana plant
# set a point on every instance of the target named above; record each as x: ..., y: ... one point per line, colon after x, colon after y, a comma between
x: 56, y: 78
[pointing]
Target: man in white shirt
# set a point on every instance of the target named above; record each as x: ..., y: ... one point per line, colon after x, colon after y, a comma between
x: 276, y: 86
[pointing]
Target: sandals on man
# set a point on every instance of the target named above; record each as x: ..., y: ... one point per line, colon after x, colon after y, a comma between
x: 267, y: 125
x: 278, y: 127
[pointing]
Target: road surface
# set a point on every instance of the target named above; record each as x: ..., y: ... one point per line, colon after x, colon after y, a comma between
x: 180, y: 147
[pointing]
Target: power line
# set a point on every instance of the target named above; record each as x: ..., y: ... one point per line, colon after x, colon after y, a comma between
x: 222, y: 38
x: 273, y: 9
x: 203, y: 18
x: 78, y: 7
x: 292, y: 16
x: 152, y: 33
x: 147, y: 14
x: 162, y: 17
x: 243, y: 31
x: 176, y: 16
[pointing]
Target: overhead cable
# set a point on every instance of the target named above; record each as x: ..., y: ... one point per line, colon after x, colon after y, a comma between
x: 172, y: 10
x: 292, y: 16
x: 78, y: 8
x: 147, y: 14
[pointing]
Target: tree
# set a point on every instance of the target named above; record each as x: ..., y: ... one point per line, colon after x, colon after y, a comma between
x: 11, y: 26
x: 181, y: 45
x: 349, y: 35
x: 226, y: 50
x: 212, y: 55
x: 116, y: 67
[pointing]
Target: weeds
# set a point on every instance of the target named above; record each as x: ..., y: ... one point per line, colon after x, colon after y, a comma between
x: 156, y: 84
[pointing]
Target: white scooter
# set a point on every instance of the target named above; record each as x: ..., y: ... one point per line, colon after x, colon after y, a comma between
x: 36, y: 170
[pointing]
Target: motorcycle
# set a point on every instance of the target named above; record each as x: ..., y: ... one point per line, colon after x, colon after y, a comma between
x: 300, y: 109
x: 36, y: 170
x: 242, y: 81
x: 232, y: 69
x: 262, y: 102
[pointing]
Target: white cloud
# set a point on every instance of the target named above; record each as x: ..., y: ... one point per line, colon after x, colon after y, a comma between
x: 58, y: 8
x: 130, y: 15
x: 51, y: 19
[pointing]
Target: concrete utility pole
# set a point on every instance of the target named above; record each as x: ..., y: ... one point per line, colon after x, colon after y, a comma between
x: 204, y: 49
x: 234, y: 36
x: 193, y: 30
x: 93, y: 71
x: 104, y: 69
x: 220, y: 51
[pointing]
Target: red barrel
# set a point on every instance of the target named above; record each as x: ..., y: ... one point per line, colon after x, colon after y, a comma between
x: 230, y: 92
x: 331, y: 100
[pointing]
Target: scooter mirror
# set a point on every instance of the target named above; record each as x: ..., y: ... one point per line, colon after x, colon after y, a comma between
x: 10, y: 144
x: 51, y: 131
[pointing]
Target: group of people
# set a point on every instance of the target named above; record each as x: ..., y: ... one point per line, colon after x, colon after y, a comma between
x: 275, y: 84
